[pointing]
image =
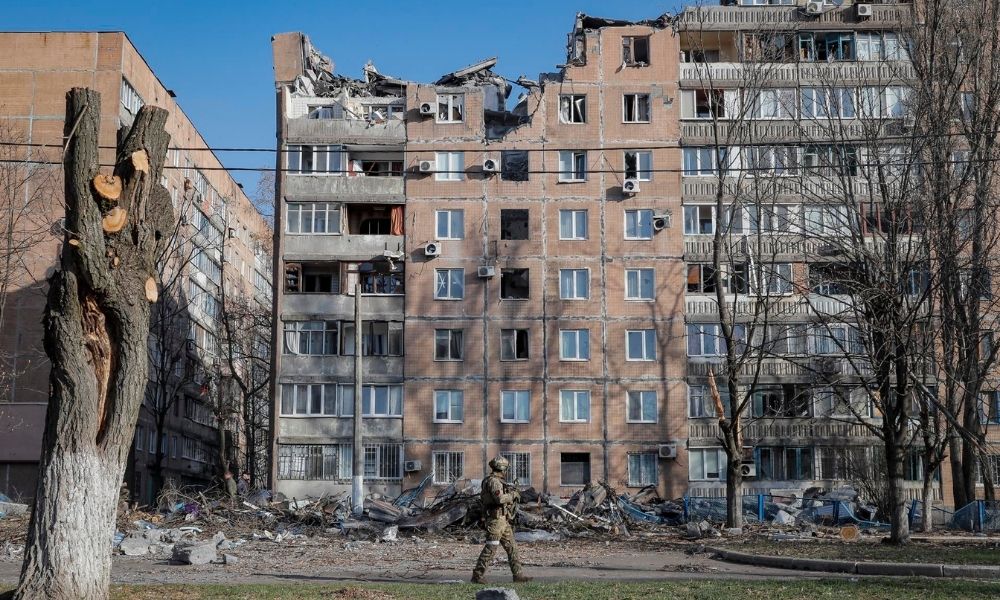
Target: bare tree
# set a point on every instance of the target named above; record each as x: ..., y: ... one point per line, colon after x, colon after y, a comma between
x: 96, y: 334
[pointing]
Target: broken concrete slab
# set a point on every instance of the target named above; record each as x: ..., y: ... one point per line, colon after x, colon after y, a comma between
x: 134, y: 545
x: 195, y: 553
x: 497, y: 594
x: 13, y: 509
x: 783, y: 518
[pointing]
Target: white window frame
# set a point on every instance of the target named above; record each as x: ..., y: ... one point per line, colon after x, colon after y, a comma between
x: 643, y: 164
x: 572, y: 166
x: 515, y: 332
x: 633, y: 100
x: 451, y: 104
x: 578, y: 335
x: 648, y: 343
x: 449, y: 166
x: 706, y: 331
x: 643, y: 223
x: 636, y: 275
x: 705, y: 402
x: 577, y: 109
x: 455, y: 412
x: 327, y: 408
x: 701, y: 161
x: 577, y: 221
x: 693, y: 217
x: 704, y: 475
x: 453, y: 220
x: 296, y: 215
x: 323, y: 160
x: 451, y: 334
x: 570, y: 283
x: 450, y: 284
x: 454, y: 466
x: 636, y: 480
x: 643, y: 397
x: 517, y: 397
x: 574, y: 399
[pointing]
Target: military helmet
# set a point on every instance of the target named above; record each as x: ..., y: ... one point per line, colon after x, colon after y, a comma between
x: 499, y: 464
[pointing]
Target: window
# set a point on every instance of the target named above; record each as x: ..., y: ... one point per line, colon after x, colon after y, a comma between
x: 639, y: 165
x: 574, y: 468
x: 639, y: 284
x: 572, y: 224
x: 449, y: 284
x: 450, y: 224
x: 706, y: 464
x: 574, y: 284
x: 780, y: 401
x: 639, y: 224
x: 642, y: 469
x: 774, y: 104
x: 130, y: 98
x: 520, y: 467
x: 574, y: 344
x: 316, y: 278
x: 514, y: 284
x: 635, y: 108
x: 513, y: 344
x: 635, y: 50
x: 827, y: 103
x: 334, y: 461
x: 448, y: 406
x: 641, y: 407
x: 777, y: 278
x: 140, y: 438
x: 515, y: 406
x: 707, y: 104
x: 701, y: 279
x: 316, y: 160
x: 572, y: 108
x: 784, y: 464
x: 830, y: 160
x: 832, y: 46
x: 376, y: 400
x: 514, y: 165
x: 448, y: 344
x: 376, y: 277
x: 311, y: 337
x: 699, y: 220
x: 572, y: 165
x: 881, y: 46
x: 450, y: 166
x: 701, y: 404
x: 449, y: 467
x: 763, y: 161
x: 514, y: 223
x: 897, y: 100
x: 378, y: 338
x: 312, y: 217
x: 309, y: 399
x: 640, y: 344
x: 707, y: 340
x: 830, y: 278
x: 574, y: 406
x: 451, y: 108
x: 827, y: 220
x: 702, y: 162
x: 989, y: 406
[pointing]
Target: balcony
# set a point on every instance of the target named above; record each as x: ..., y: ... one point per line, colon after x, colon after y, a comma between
x: 816, y: 431
x: 778, y: 189
x: 373, y: 307
x: 765, y: 132
x: 704, y: 308
x: 360, y: 188
x: 734, y: 74
x: 304, y: 130
x: 727, y: 18
x: 347, y: 247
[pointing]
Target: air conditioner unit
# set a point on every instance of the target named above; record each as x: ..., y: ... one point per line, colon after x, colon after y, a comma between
x: 426, y: 108
x: 487, y: 271
x: 630, y: 187
x: 863, y: 10
x: 491, y: 165
x: 748, y: 469
x: 661, y: 222
x: 412, y: 465
x: 814, y: 8
x: 667, y: 450
x: 432, y: 249
x: 426, y: 166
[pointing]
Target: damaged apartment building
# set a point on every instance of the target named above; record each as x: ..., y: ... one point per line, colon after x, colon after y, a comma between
x: 518, y: 270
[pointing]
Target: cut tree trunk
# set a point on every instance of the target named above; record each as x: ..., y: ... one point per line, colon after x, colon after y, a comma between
x: 96, y: 327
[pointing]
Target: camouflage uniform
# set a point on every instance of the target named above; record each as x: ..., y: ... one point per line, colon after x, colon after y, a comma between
x: 499, y: 506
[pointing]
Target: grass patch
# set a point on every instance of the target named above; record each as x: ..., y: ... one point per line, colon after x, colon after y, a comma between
x: 918, y: 552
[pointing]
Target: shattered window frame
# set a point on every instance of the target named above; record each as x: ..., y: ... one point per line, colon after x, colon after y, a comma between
x: 514, y: 345
x: 449, y: 345
x: 573, y: 109
x: 514, y: 165
x: 572, y: 166
x: 515, y: 222
x: 638, y: 164
x: 511, y: 281
x: 568, y: 466
x: 636, y: 50
x: 634, y: 107
x: 450, y: 108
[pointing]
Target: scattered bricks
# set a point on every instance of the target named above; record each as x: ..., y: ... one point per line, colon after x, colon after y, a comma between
x: 497, y: 594
x: 195, y: 553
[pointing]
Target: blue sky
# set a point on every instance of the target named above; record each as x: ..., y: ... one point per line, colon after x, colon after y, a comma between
x: 216, y: 54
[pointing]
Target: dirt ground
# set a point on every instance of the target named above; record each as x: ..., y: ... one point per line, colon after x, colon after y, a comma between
x: 323, y: 559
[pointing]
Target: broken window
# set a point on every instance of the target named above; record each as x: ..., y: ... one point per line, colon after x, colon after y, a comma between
x: 382, y: 168
x: 635, y: 108
x: 635, y: 50
x: 513, y: 344
x: 573, y: 108
x: 706, y: 104
x: 780, y: 401
x: 332, y: 111
x: 574, y: 468
x: 572, y: 165
x: 449, y: 284
x: 314, y: 160
x: 514, y: 284
x: 701, y: 279
x: 448, y: 344
x: 514, y: 165
x: 451, y: 108
x: 317, y: 278
x: 784, y: 464
x: 639, y: 165
x: 514, y: 224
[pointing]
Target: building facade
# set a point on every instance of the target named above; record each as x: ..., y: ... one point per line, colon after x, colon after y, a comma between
x: 181, y: 428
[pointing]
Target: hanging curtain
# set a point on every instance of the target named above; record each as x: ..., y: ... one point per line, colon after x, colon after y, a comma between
x: 396, y: 220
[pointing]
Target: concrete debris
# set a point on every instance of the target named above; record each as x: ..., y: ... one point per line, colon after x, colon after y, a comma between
x: 229, y: 559
x: 497, y: 594
x: 390, y: 534
x: 783, y: 518
x: 195, y: 553
x: 537, y: 535
x: 12, y: 509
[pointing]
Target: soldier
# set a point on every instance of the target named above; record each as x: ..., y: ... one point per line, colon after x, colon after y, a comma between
x: 499, y: 507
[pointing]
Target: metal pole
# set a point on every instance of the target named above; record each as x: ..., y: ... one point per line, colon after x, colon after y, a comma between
x: 358, y: 481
